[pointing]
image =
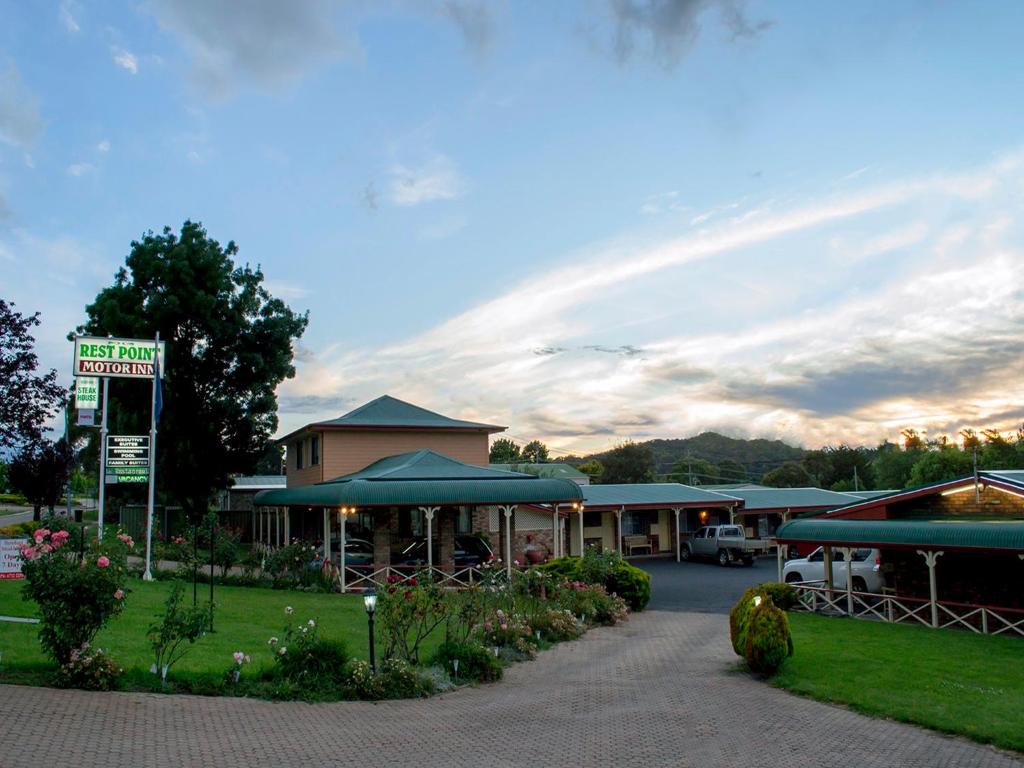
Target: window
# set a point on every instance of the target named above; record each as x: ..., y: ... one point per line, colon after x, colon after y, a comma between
x: 591, y: 519
x: 639, y: 523
x: 298, y: 454
x: 314, y: 450
x: 731, y: 531
x: 464, y: 521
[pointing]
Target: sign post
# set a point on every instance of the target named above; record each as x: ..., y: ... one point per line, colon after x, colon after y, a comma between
x: 103, y: 462
x: 154, y: 414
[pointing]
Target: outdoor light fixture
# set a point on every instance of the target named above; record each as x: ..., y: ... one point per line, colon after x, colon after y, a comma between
x: 370, y: 602
x: 757, y: 600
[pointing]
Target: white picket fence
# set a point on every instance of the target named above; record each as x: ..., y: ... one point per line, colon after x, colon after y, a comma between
x: 815, y: 597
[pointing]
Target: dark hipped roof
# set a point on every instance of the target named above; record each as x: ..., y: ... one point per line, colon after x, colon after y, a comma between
x: 652, y: 496
x: 425, y: 478
x: 944, y: 533
x: 388, y: 412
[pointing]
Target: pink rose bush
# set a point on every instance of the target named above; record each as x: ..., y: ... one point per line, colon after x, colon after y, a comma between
x: 77, y: 592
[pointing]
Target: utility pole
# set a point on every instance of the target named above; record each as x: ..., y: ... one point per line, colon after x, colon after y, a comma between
x: 856, y: 487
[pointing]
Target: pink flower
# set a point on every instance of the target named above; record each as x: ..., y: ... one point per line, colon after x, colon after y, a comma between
x: 283, y: 650
x: 103, y: 561
x: 239, y: 657
x: 59, y: 536
x: 40, y: 534
x: 119, y: 594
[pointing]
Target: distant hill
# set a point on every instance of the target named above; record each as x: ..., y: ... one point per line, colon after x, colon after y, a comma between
x: 757, y: 456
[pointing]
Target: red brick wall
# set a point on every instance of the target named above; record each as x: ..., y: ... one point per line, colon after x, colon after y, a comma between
x: 993, y: 503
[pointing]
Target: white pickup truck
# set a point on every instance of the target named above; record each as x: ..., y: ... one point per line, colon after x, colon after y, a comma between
x: 724, y: 543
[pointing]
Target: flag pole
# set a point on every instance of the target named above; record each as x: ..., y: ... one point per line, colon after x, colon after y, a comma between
x: 148, y: 575
x: 103, y: 463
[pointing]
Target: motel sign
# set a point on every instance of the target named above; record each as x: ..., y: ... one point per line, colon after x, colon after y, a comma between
x: 124, y: 358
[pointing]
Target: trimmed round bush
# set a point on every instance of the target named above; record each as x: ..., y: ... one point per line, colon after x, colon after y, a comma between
x: 475, y: 661
x: 782, y: 595
x: 631, y: 584
x: 767, y: 641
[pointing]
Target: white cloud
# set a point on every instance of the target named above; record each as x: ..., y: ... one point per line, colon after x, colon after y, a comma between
x: 126, y: 60
x: 80, y: 169
x: 930, y: 336
x: 661, y: 203
x: 67, y: 17
x: 285, y: 290
x: 20, y: 122
x: 437, y: 179
x: 103, y: 147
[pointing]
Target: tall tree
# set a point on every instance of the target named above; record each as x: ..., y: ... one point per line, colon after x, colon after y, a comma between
x: 789, y: 475
x: 891, y: 466
x: 27, y: 399
x: 504, y: 451
x: 229, y: 345
x: 731, y: 471
x: 628, y: 462
x: 40, y: 472
x: 693, y: 471
x: 593, y: 469
x: 535, y: 452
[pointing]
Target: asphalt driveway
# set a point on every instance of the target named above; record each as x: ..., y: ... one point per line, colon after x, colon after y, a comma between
x: 702, y: 587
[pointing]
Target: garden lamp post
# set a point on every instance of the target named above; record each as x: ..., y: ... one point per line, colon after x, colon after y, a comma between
x: 370, y: 602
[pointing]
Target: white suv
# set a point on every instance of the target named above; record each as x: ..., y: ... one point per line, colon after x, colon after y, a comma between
x: 865, y: 568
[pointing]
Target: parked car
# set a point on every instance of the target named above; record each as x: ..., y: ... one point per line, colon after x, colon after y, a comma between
x: 469, y: 550
x: 865, y: 567
x: 724, y: 543
x: 358, y: 554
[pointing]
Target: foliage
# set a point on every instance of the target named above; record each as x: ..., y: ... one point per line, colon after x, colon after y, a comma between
x: 295, y: 563
x: 466, y: 611
x: 40, y: 471
x: 177, y: 626
x: 556, y: 625
x: 507, y: 630
x: 630, y: 583
x: 789, y: 475
x: 627, y: 581
x: 27, y: 400
x: 943, y: 464
x: 628, y: 462
x: 504, y: 451
x: 303, y: 657
x: 226, y: 543
x: 4, y: 476
x: 593, y: 603
x: 693, y: 471
x: 408, y: 611
x: 782, y: 596
x: 892, y: 466
x: 535, y: 452
x: 76, y: 597
x: 593, y: 469
x: 395, y: 679
x: 88, y: 668
x: 475, y: 661
x: 229, y: 345
x: 177, y: 549
x: 768, y: 641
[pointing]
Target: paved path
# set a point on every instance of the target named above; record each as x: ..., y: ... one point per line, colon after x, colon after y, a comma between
x: 661, y: 690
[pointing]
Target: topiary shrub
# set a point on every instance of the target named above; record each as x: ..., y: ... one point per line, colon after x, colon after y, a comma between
x: 565, y: 567
x: 782, y: 595
x: 630, y: 583
x: 475, y: 661
x: 767, y: 640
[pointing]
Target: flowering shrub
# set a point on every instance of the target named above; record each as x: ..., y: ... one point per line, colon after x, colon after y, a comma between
x: 178, y: 625
x: 507, y: 631
x: 234, y: 672
x: 396, y: 679
x: 593, y: 603
x: 76, y: 595
x: 178, y: 549
x: 302, y: 656
x: 89, y: 668
x: 298, y: 563
x: 475, y: 661
x: 556, y: 625
x: 408, y: 611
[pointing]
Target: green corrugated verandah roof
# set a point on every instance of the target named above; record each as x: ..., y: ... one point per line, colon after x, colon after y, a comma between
x: 424, y: 478
x: 944, y: 533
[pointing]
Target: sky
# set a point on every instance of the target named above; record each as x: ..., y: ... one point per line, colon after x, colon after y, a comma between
x: 590, y: 220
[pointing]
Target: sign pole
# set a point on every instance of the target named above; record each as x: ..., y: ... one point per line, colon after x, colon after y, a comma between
x: 148, y: 575
x: 103, y: 460
x: 67, y: 439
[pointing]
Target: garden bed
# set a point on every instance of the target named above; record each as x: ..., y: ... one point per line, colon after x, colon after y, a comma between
x: 955, y: 682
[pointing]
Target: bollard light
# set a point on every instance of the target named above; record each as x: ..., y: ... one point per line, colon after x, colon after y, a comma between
x: 370, y: 603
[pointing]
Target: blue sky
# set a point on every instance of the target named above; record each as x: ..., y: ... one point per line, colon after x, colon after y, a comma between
x: 588, y: 220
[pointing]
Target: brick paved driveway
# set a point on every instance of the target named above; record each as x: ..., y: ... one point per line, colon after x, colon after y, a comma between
x: 659, y: 691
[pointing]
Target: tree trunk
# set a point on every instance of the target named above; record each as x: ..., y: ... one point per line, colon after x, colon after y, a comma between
x: 37, y: 512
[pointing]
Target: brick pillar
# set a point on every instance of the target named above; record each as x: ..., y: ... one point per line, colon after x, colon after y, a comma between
x: 445, y: 522
x: 382, y: 537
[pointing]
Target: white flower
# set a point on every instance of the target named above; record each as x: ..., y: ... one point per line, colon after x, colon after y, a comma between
x: 282, y: 650
x: 288, y: 610
x: 272, y: 641
x: 311, y: 623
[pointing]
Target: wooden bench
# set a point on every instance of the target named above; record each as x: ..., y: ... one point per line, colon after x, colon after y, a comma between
x: 633, y: 543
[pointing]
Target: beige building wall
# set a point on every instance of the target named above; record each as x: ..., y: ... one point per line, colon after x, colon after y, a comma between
x: 345, y: 451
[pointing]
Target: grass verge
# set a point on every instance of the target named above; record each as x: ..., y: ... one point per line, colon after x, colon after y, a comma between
x: 954, y: 682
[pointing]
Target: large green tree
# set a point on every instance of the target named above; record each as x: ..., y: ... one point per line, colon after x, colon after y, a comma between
x: 40, y: 472
x: 943, y: 464
x: 693, y: 471
x: 504, y: 451
x: 628, y: 463
x: 27, y: 399
x: 229, y: 345
x: 535, y: 452
x: 892, y: 465
x: 789, y: 475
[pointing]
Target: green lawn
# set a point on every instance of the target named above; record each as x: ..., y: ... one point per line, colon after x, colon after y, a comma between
x: 956, y: 682
x: 244, y: 619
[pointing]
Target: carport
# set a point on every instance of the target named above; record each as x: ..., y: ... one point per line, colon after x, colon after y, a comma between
x: 932, y: 546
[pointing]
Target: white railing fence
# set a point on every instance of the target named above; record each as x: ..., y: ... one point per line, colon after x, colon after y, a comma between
x: 816, y: 597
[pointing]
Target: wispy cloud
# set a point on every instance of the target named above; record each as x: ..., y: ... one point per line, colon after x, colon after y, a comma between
x: 126, y: 60
x: 66, y: 15
x: 437, y: 179
x: 928, y: 335
x: 80, y: 169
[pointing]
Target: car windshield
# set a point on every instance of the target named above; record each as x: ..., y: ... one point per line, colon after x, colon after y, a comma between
x: 860, y: 555
x: 729, y: 532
